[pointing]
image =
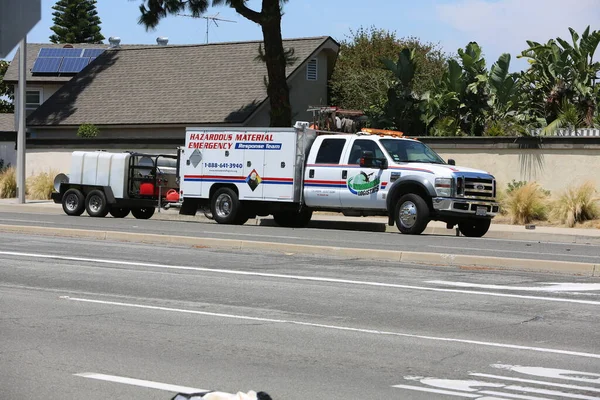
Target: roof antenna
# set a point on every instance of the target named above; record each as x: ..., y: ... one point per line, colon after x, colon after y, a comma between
x: 209, y: 19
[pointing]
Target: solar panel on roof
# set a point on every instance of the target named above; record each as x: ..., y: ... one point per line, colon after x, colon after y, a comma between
x: 46, y: 65
x: 92, y: 52
x: 73, y: 65
x: 61, y: 52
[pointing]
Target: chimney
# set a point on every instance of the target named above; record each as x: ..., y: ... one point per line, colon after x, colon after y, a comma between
x: 162, y: 40
x: 115, y: 42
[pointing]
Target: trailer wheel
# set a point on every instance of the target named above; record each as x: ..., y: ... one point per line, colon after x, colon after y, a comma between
x: 226, y: 208
x: 474, y: 228
x: 73, y: 202
x: 96, y: 205
x: 143, y: 213
x: 291, y: 219
x: 412, y: 214
x: 119, y: 212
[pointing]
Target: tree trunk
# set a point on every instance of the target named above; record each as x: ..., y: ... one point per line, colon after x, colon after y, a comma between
x: 277, y: 89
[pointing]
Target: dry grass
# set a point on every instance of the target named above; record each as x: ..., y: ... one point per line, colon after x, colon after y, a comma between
x: 41, y: 186
x: 8, y: 183
x: 526, y: 204
x: 576, y: 205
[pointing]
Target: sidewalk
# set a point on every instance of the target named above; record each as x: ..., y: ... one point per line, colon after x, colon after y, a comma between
x: 338, y: 221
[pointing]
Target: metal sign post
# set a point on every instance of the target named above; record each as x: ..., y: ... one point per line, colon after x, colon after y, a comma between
x: 21, y: 117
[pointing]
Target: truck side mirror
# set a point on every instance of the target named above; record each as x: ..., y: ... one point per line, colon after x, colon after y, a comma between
x: 451, y: 162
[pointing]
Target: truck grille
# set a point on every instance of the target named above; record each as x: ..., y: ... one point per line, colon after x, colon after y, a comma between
x: 475, y: 188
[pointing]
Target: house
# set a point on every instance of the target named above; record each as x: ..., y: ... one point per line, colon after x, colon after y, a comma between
x: 8, y: 138
x: 156, y: 91
x: 144, y: 96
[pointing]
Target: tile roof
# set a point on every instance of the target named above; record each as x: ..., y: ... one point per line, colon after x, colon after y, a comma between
x: 195, y: 84
x: 7, y: 122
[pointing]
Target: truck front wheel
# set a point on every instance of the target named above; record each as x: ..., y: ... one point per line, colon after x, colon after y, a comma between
x: 226, y: 207
x: 73, y: 202
x: 475, y: 227
x: 95, y: 204
x: 293, y: 219
x: 412, y: 214
x: 143, y: 213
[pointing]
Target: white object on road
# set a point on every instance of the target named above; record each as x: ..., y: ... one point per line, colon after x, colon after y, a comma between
x: 545, y: 287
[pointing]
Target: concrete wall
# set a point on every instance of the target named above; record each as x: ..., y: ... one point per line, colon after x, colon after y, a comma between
x: 59, y: 160
x: 554, y: 165
x: 8, y: 153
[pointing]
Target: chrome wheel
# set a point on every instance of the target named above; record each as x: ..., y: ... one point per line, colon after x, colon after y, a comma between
x: 408, y: 214
x: 223, y: 205
x: 71, y: 202
x: 95, y: 203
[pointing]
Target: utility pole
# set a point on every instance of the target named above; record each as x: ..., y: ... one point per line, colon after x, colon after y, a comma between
x: 22, y: 114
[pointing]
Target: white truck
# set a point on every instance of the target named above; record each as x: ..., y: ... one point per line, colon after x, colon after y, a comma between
x: 241, y: 173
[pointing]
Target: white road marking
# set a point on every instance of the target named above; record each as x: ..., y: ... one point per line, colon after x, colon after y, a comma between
x: 511, y: 251
x: 553, y: 373
x: 459, y: 384
x: 547, y: 287
x: 296, y: 277
x: 139, y: 382
x: 513, y: 396
x: 547, y: 392
x: 338, y: 327
x: 535, y: 382
x: 438, y: 391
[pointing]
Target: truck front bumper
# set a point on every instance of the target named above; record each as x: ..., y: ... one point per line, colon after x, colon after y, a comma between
x: 479, y: 208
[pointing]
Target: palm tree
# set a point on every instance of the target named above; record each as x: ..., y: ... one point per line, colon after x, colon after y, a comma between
x: 269, y: 19
x: 564, y: 72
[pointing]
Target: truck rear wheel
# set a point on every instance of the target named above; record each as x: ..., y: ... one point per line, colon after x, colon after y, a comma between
x: 226, y: 207
x: 475, y: 227
x: 96, y: 205
x: 119, y: 212
x: 291, y: 219
x: 73, y: 202
x: 143, y: 213
x: 412, y: 214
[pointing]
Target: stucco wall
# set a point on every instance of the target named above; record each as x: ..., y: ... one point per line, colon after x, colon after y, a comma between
x: 554, y: 166
x: 56, y: 160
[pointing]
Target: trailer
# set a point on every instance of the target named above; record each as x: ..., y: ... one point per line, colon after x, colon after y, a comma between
x: 102, y: 183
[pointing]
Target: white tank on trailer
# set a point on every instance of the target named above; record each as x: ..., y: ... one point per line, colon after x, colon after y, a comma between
x: 102, y: 169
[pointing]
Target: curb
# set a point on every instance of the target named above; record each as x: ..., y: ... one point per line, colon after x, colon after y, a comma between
x: 438, y: 259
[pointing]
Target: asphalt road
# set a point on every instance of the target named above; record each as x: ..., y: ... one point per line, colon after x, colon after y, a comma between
x: 361, y: 236
x: 78, y: 317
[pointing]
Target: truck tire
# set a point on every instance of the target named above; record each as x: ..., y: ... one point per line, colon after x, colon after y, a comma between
x: 412, y: 214
x: 474, y: 227
x: 119, y: 212
x: 143, y: 213
x: 96, y: 204
x: 226, y: 208
x: 73, y: 202
x: 291, y: 219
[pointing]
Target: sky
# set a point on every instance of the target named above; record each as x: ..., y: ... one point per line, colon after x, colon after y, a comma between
x: 499, y: 26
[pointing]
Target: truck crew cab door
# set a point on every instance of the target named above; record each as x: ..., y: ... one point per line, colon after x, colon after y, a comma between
x: 323, y: 175
x: 365, y: 187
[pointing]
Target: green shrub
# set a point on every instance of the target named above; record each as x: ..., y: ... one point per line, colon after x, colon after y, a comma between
x: 526, y: 203
x: 8, y: 183
x: 88, y: 131
x: 576, y: 204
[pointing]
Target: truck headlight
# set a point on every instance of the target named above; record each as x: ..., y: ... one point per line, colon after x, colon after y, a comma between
x: 443, y: 187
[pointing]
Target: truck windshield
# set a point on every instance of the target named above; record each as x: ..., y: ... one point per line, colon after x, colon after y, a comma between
x: 410, y: 151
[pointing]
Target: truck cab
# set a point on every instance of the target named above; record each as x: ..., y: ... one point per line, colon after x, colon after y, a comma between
x: 402, y: 178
